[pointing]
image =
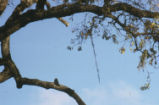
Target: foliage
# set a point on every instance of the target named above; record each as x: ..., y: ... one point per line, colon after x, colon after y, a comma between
x: 139, y: 32
x: 132, y: 22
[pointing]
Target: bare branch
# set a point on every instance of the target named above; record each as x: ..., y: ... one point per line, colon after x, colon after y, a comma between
x: 1, y: 62
x: 64, y: 22
x: 133, y: 11
x: 5, y: 75
x: 18, y: 20
x: 11, y: 70
x: 5, y: 48
x: 33, y: 15
x: 67, y: 10
x: 52, y: 85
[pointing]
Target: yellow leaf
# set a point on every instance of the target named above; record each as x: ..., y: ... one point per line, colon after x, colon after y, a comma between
x: 132, y: 43
x: 122, y: 50
x: 142, y: 43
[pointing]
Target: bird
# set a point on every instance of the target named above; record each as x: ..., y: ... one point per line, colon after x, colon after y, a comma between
x: 56, y: 82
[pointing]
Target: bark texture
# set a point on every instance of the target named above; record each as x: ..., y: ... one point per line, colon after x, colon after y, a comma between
x: 19, y: 19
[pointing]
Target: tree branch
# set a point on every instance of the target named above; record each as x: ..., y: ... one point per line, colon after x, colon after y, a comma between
x: 11, y: 70
x: 1, y: 62
x: 17, y: 21
x: 5, y: 75
x: 5, y: 48
x: 67, y: 10
x: 133, y: 11
x: 52, y: 85
x: 34, y: 15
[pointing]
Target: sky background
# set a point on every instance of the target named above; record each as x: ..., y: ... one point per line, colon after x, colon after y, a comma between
x: 40, y: 51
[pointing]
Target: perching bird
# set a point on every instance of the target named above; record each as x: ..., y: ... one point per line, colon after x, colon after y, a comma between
x: 56, y: 82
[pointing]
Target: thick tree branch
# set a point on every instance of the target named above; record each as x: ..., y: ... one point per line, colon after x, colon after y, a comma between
x: 2, y: 62
x: 67, y: 10
x: 5, y: 48
x: 15, y: 72
x: 5, y: 75
x: 34, y: 15
x: 16, y: 21
x: 52, y: 85
x: 11, y: 70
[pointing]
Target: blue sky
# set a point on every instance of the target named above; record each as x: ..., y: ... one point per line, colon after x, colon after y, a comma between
x: 40, y: 51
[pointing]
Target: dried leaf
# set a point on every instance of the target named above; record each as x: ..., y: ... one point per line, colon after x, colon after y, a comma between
x: 142, y: 43
x: 143, y: 58
x: 122, y: 50
x: 145, y: 87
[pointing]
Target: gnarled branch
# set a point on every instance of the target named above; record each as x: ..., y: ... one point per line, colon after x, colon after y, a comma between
x: 12, y: 71
x: 52, y: 85
x: 67, y: 10
x: 5, y: 75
